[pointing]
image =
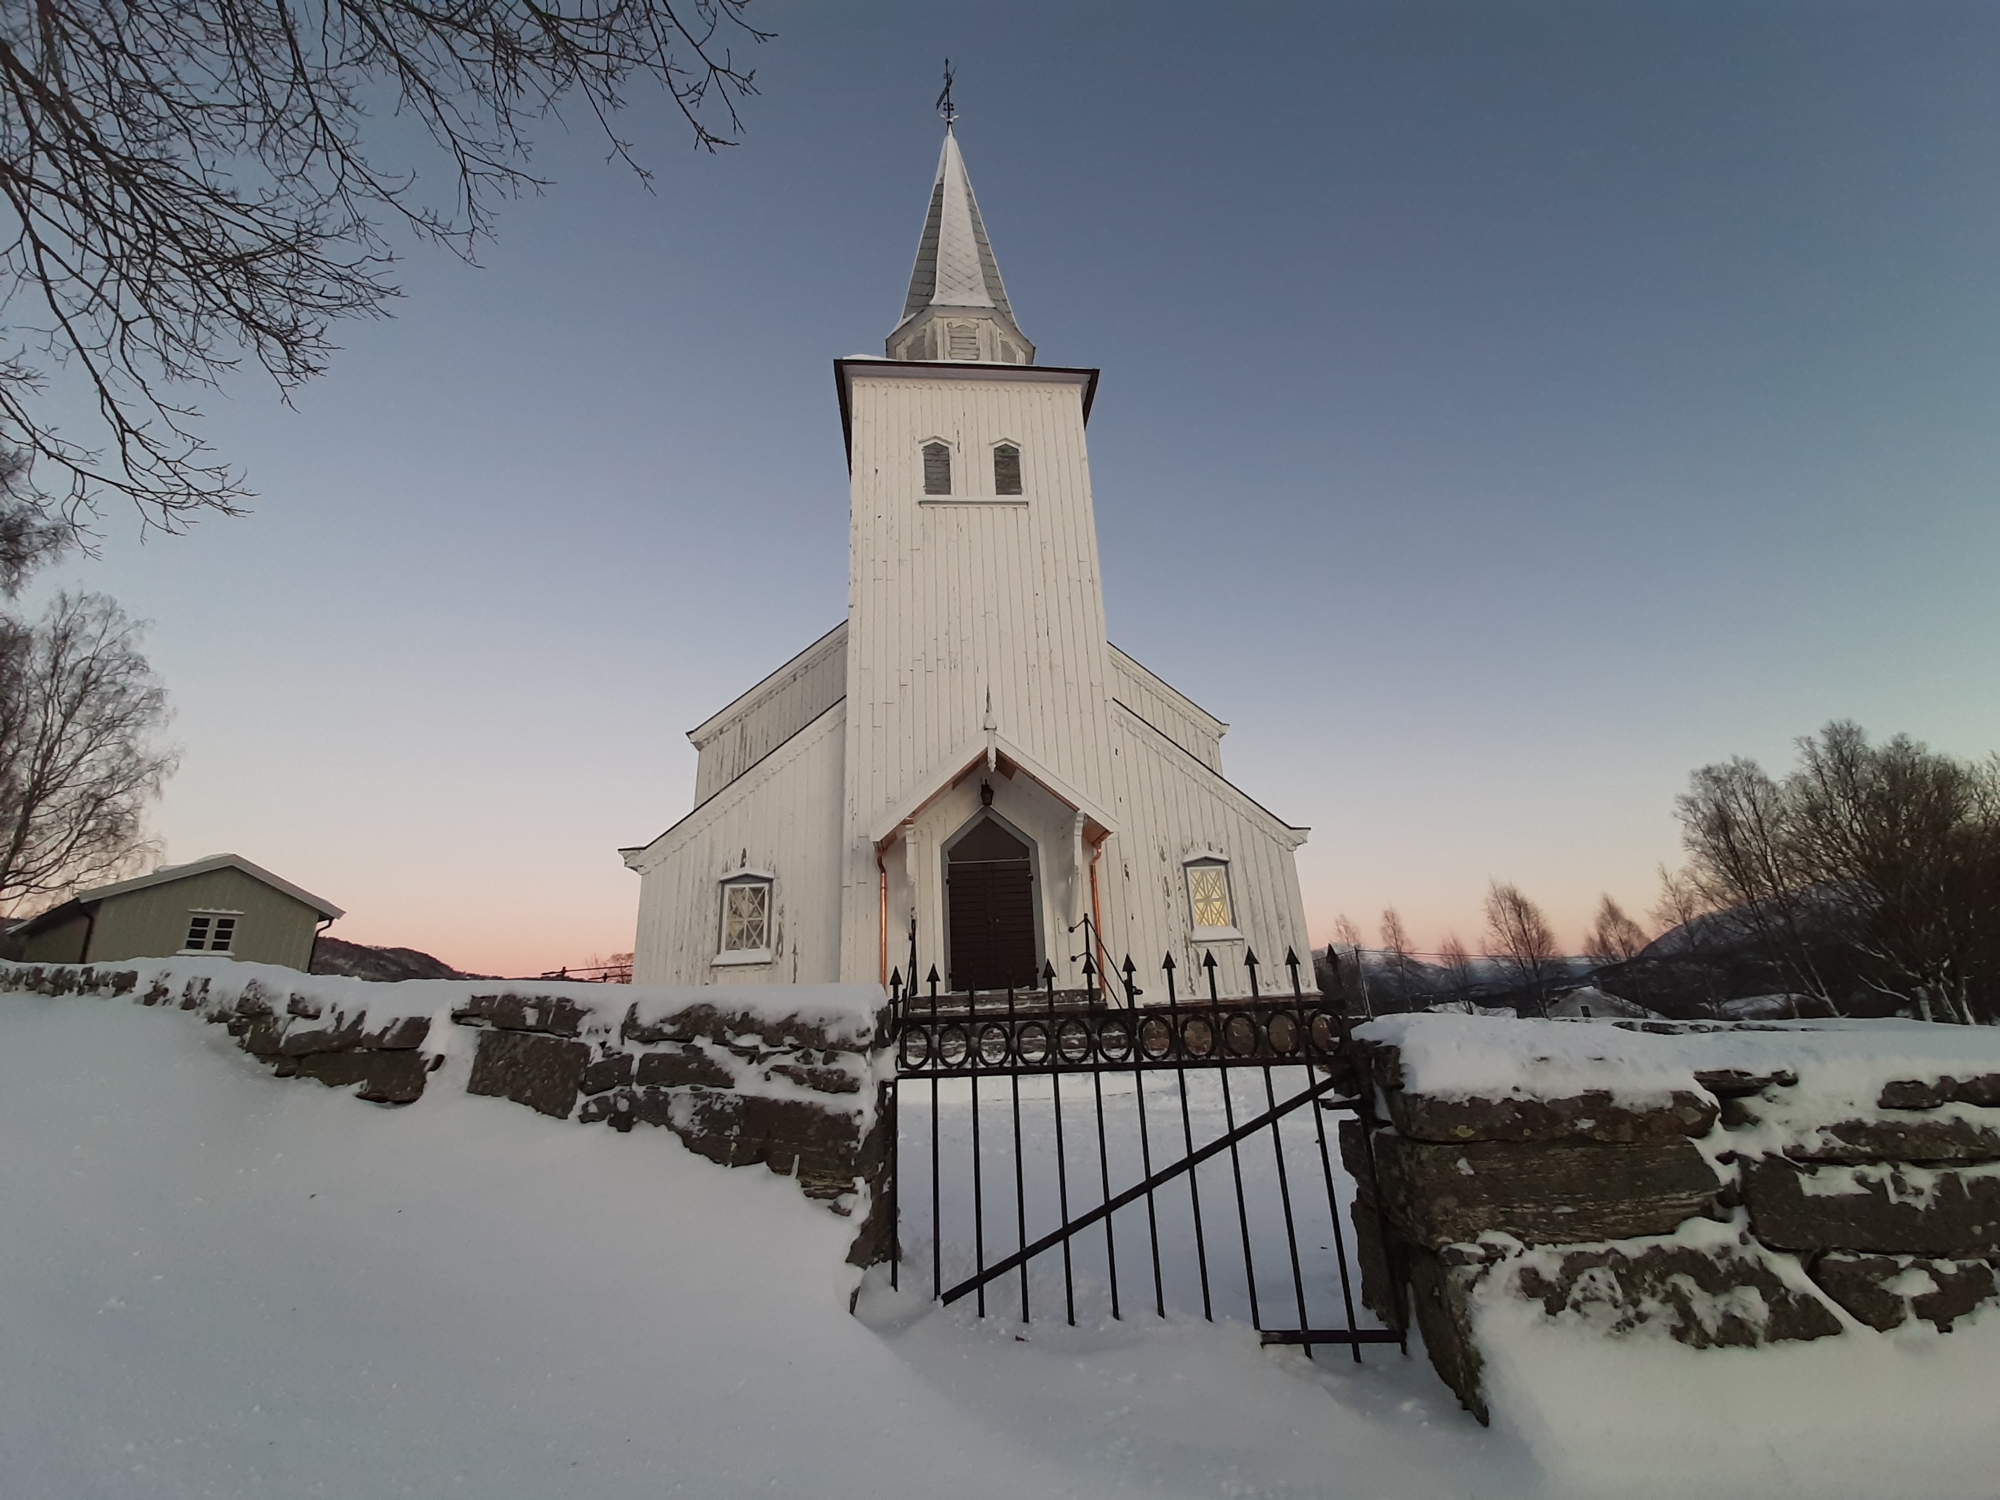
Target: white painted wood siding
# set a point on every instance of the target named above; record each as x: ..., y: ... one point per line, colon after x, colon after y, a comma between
x: 1168, y: 710
x: 770, y: 713
x: 951, y: 599
x: 782, y: 816
x: 1171, y: 807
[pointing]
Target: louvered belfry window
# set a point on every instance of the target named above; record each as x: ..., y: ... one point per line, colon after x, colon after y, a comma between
x: 964, y: 341
x: 937, y: 469
x: 1006, y: 470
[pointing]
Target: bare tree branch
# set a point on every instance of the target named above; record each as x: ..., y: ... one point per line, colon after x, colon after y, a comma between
x: 187, y: 185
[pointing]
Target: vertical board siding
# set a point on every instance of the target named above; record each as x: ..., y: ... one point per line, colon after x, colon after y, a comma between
x: 1184, y: 722
x: 951, y: 601
x: 274, y: 928
x: 784, y: 816
x: 770, y: 713
x: 1171, y: 807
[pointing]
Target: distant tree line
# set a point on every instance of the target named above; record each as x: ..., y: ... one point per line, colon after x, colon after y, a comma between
x: 1865, y: 881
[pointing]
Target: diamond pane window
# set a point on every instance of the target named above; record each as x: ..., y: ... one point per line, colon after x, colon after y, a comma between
x: 1208, y: 895
x: 937, y: 469
x: 1006, y: 470
x: 746, y: 916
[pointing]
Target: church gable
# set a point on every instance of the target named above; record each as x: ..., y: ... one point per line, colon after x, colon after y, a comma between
x: 760, y: 720
x: 1168, y: 710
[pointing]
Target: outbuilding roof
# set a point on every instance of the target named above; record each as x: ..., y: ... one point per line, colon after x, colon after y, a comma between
x: 165, y: 875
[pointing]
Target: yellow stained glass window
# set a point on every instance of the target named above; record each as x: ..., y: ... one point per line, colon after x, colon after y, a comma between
x: 1208, y: 894
x: 746, y: 917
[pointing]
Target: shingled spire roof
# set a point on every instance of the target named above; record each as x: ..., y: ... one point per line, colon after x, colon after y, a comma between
x: 956, y: 280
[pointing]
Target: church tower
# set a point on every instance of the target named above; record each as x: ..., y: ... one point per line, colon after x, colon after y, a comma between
x: 975, y: 615
x: 965, y: 769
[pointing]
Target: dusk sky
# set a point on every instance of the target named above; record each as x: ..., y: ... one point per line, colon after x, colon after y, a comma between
x: 1506, y: 408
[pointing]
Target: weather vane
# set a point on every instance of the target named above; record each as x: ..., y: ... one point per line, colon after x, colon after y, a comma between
x: 944, y: 105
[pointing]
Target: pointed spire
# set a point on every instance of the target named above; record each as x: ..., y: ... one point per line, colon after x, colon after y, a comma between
x: 956, y: 281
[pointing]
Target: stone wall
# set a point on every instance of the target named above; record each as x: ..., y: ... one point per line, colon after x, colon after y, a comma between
x: 741, y: 1084
x: 1740, y: 1208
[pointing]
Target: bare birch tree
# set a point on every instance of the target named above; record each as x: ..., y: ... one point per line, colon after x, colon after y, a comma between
x: 1614, y: 938
x: 1679, y: 904
x: 1396, y: 951
x: 80, y: 712
x: 1347, y: 935
x: 1457, y: 963
x: 1520, y: 939
x: 1868, y: 868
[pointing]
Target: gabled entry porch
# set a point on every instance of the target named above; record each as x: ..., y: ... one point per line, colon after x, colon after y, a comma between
x: 987, y: 868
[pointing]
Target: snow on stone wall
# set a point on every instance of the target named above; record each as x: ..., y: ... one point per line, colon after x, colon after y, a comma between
x: 1719, y: 1185
x: 778, y: 1075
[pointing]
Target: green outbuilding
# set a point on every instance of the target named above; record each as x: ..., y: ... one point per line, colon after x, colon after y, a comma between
x: 219, y: 905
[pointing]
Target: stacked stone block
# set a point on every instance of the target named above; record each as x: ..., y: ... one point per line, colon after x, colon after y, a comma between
x: 1584, y: 1205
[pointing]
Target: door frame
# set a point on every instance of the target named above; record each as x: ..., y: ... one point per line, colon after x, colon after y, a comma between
x: 980, y: 815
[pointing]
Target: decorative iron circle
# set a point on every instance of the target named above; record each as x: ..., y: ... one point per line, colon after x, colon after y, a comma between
x: 1114, y: 1039
x: 1156, y: 1039
x: 1239, y: 1035
x: 1282, y: 1029
x: 1325, y: 1032
x: 1197, y: 1038
x: 1072, y: 1041
x: 915, y: 1049
x: 1031, y: 1043
x: 995, y: 1044
x: 953, y: 1045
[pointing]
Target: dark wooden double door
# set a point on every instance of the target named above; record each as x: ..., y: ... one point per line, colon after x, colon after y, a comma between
x: 990, y: 905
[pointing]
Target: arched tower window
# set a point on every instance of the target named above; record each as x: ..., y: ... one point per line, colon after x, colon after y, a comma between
x: 937, y: 469
x: 1006, y: 470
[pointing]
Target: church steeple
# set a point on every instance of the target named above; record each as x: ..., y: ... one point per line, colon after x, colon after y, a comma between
x: 957, y: 308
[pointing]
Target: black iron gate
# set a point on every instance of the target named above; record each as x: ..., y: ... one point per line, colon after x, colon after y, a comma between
x: 1106, y: 1119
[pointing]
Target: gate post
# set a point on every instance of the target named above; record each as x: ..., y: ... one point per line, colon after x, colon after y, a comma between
x: 875, y: 1241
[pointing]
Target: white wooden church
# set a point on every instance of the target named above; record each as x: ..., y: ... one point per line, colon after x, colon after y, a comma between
x: 966, y: 751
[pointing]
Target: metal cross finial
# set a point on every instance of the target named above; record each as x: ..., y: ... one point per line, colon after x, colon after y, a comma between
x: 944, y: 105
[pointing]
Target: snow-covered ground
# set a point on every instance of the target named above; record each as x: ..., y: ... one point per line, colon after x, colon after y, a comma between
x: 217, y: 1284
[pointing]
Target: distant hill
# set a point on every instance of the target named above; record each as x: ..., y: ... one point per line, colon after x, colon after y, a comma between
x: 360, y: 961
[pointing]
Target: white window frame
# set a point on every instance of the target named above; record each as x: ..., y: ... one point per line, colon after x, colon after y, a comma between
x: 726, y: 957
x: 1210, y: 859
x: 235, y: 917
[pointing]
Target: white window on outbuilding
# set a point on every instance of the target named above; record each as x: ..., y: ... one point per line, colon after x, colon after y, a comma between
x: 1210, y: 905
x: 937, y: 469
x: 211, y: 932
x: 746, y: 919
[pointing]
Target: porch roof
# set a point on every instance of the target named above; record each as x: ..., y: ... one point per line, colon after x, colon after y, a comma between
x: 1098, y: 824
